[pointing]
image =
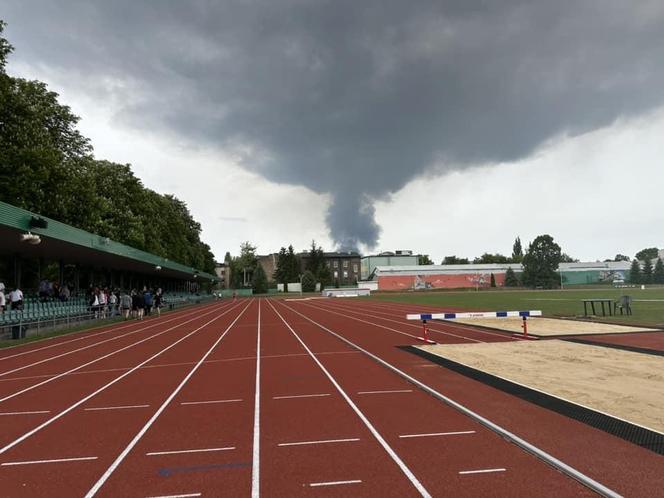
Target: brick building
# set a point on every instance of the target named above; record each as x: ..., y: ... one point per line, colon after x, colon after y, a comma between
x: 344, y: 266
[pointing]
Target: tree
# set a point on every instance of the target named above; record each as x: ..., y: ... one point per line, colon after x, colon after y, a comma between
x: 621, y: 257
x: 316, y: 258
x: 635, y: 272
x: 658, y: 274
x: 517, y: 251
x: 566, y: 258
x: 646, y: 272
x: 424, y: 259
x: 488, y: 258
x: 540, y: 263
x: 493, y: 280
x: 259, y: 280
x: 510, y: 278
x: 288, y: 266
x: 453, y: 260
x: 308, y: 282
x: 648, y: 253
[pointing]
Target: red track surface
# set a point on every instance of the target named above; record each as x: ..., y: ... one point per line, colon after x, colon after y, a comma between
x: 183, y: 405
x: 648, y: 340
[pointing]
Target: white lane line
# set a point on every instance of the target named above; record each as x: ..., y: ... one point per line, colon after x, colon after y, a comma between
x: 255, y: 467
x: 213, y: 401
x: 302, y: 396
x: 513, y: 438
x: 483, y: 471
x: 388, y: 449
x: 200, y: 450
x: 325, y: 441
x: 334, y: 483
x: 51, y: 379
x: 387, y: 392
x: 57, y: 460
x: 105, y: 386
x: 148, y: 424
x: 189, y: 495
x: 124, y: 407
x: 25, y: 413
x: 431, y: 434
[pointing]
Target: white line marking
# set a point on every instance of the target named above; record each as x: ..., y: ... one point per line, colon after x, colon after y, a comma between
x: 58, y: 460
x: 302, y: 396
x: 255, y: 467
x: 210, y: 402
x: 51, y: 379
x: 437, y: 434
x: 201, y: 450
x: 154, y: 417
x: 484, y: 471
x: 387, y: 392
x: 409, y: 474
x: 126, y: 407
x: 326, y: 441
x: 334, y: 483
x: 190, y: 495
x: 106, y: 386
x: 513, y: 438
x: 25, y: 413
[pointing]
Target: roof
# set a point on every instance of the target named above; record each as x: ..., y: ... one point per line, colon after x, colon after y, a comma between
x: 596, y: 265
x: 409, y: 270
x: 73, y: 245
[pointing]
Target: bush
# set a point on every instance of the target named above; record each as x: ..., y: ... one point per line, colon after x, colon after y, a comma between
x: 308, y: 282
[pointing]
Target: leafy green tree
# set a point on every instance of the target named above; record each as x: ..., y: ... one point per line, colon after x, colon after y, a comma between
x: 621, y: 257
x: 540, y: 263
x: 635, y: 272
x: 316, y: 258
x: 308, y: 282
x: 511, y: 279
x: 324, y: 276
x: 517, y: 251
x: 259, y: 280
x: 488, y: 258
x: 566, y: 258
x: 493, y: 280
x: 646, y: 272
x: 453, y: 260
x: 288, y: 266
x: 648, y: 253
x: 658, y: 273
x: 424, y: 259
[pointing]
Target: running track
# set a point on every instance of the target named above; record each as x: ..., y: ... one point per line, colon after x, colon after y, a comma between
x: 265, y: 397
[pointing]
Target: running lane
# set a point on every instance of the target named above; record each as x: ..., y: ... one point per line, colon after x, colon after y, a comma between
x: 622, y: 466
x: 77, y: 441
x: 449, y: 453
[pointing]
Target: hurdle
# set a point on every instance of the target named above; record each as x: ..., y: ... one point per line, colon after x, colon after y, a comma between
x: 469, y: 315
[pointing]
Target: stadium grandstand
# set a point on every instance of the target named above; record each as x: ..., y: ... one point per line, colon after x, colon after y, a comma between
x: 56, y: 265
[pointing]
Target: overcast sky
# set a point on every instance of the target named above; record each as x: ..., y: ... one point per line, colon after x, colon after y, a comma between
x: 445, y: 127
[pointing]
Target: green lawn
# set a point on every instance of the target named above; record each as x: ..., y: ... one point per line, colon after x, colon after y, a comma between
x: 648, y: 305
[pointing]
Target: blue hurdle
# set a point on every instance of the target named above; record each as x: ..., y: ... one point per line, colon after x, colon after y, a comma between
x: 465, y: 315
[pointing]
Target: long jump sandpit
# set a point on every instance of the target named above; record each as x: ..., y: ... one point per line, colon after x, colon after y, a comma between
x: 621, y: 384
x: 551, y: 327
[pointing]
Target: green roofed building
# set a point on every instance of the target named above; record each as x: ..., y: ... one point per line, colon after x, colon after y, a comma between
x: 33, y: 247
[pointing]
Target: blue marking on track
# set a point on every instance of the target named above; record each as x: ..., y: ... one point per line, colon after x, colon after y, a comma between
x: 166, y: 472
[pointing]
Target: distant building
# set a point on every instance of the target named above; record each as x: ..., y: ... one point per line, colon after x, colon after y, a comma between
x: 398, y: 258
x: 269, y: 264
x: 344, y: 266
x: 606, y: 272
x: 223, y: 272
x: 421, y: 277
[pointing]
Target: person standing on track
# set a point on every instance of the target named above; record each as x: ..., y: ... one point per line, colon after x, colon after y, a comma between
x: 125, y: 305
x: 157, y: 302
x: 140, y: 305
x: 147, y: 297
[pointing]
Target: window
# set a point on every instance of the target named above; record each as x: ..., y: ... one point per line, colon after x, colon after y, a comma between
x: 355, y: 268
x: 336, y: 274
x: 345, y: 274
x: 345, y: 263
x: 336, y: 263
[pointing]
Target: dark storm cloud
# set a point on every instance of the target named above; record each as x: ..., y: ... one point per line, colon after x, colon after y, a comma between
x: 355, y: 98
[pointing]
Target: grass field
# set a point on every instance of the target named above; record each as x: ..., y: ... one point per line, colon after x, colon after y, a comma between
x: 648, y: 305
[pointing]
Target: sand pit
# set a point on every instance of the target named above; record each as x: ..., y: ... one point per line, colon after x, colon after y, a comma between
x: 550, y: 326
x: 623, y: 384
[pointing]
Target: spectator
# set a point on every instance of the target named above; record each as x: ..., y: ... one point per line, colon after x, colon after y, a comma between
x: 158, y: 301
x: 147, y: 297
x: 140, y: 306
x: 93, y: 302
x: 125, y: 305
x: 43, y: 290
x: 65, y: 293
x: 112, y: 304
x: 16, y: 298
x: 3, y: 300
x: 103, y: 301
